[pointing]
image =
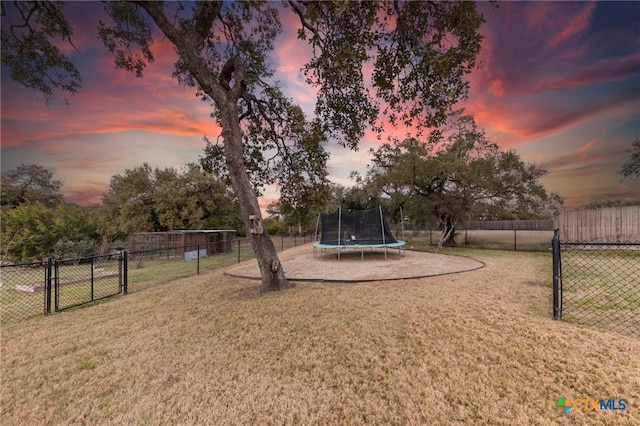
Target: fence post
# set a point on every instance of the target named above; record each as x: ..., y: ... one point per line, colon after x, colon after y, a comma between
x: 555, y: 246
x: 198, y: 261
x: 56, y: 286
x: 515, y: 240
x: 124, y: 266
x: 238, y: 251
x: 92, y: 277
x: 47, y: 285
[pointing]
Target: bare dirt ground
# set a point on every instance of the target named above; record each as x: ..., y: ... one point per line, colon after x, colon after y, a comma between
x: 306, y: 264
x: 476, y: 347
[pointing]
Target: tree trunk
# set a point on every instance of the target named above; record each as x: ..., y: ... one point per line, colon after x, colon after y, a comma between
x: 448, y: 232
x: 225, y: 89
x: 271, y: 270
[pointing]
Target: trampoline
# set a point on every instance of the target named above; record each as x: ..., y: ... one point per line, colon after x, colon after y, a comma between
x: 356, y: 230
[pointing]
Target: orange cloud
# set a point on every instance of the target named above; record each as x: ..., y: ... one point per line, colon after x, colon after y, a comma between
x: 85, y: 195
x: 497, y: 87
x: 533, y: 52
x: 588, y: 146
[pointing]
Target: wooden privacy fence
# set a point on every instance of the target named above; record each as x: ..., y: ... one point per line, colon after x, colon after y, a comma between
x: 510, y: 225
x: 608, y: 224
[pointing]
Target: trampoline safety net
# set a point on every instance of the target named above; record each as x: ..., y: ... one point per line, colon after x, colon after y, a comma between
x: 355, y: 227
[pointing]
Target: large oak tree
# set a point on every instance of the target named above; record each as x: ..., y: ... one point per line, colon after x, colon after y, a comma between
x: 143, y: 199
x: 398, y: 62
x: 458, y: 175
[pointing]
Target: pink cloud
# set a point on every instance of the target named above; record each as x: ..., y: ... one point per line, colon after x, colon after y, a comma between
x: 526, y: 89
x: 529, y: 43
x: 497, y: 87
x: 85, y: 195
x: 265, y: 201
x: 576, y: 25
x: 54, y: 148
x: 588, y: 147
x: 536, y: 82
x: 605, y: 70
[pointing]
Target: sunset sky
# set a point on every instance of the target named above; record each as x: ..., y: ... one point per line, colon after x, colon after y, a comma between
x: 557, y: 81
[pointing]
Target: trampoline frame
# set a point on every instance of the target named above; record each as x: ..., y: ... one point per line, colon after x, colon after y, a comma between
x: 397, y: 245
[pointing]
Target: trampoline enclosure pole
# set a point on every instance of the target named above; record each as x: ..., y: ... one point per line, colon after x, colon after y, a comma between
x: 382, y: 225
x: 384, y: 242
x: 339, y: 229
x: 315, y: 237
x: 402, y: 223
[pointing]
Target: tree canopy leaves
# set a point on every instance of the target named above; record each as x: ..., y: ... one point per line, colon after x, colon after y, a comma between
x: 28, y: 48
x: 461, y: 176
x: 401, y: 62
x: 419, y: 53
x: 631, y: 168
x: 35, y: 217
x: 36, y: 222
x: 30, y: 183
x: 144, y: 199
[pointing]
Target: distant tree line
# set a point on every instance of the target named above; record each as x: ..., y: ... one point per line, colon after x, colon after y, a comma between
x: 37, y: 222
x: 452, y: 176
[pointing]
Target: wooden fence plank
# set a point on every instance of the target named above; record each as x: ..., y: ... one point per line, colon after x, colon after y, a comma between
x: 510, y: 225
x: 608, y: 224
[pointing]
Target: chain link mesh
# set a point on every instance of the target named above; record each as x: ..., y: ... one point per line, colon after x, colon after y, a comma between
x: 601, y: 285
x: 22, y: 291
x: 23, y: 287
x: 81, y: 281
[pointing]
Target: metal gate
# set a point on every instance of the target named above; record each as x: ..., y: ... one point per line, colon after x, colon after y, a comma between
x: 79, y: 281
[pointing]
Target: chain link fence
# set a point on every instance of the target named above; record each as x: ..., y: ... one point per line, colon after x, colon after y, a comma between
x: 21, y: 290
x: 598, y: 284
x: 148, y: 268
x: 511, y: 240
x: 31, y: 289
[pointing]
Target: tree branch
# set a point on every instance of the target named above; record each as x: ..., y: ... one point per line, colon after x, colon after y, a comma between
x: 64, y: 25
x: 205, y: 13
x: 188, y: 48
x: 305, y: 24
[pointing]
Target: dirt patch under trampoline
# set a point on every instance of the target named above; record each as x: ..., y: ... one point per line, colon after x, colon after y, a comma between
x: 306, y: 264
